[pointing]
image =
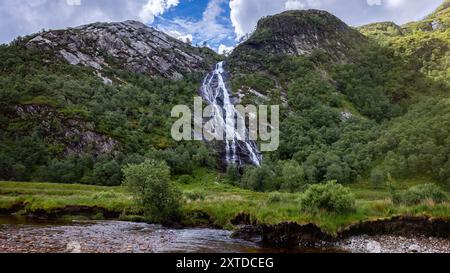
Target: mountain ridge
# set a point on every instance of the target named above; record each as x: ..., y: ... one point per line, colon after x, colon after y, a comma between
x: 301, y: 33
x: 343, y: 96
x: 131, y: 45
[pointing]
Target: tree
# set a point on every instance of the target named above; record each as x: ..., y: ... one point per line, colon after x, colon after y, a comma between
x: 335, y: 172
x: 153, y: 190
x: 6, y: 166
x: 107, y: 172
x: 293, y: 176
x: 203, y: 157
x: 260, y: 179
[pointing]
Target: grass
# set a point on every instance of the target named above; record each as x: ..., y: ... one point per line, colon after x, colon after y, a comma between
x: 51, y: 197
x: 206, y: 194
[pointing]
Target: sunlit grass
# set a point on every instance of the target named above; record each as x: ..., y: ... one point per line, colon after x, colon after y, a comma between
x: 206, y: 194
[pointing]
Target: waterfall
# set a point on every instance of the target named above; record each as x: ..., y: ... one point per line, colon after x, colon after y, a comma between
x: 239, y: 150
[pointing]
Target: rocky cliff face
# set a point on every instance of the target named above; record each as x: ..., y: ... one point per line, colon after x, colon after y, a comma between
x: 301, y: 33
x: 131, y: 45
x: 78, y: 137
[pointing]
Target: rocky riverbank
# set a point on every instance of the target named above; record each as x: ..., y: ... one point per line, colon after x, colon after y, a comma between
x: 394, y: 244
x: 114, y: 237
x: 128, y: 237
x: 410, y: 231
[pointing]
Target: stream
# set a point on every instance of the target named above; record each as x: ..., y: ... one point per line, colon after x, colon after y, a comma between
x: 22, y: 235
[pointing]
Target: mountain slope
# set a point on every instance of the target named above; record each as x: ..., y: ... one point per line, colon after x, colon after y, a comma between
x: 301, y: 33
x: 130, y: 45
x: 77, y: 104
x: 424, y: 44
x: 337, y: 114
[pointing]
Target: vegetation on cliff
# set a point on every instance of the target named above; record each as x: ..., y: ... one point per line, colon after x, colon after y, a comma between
x: 380, y: 113
x: 358, y: 106
x: 215, y: 204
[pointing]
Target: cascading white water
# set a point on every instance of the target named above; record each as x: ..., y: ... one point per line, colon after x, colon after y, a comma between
x: 238, y: 149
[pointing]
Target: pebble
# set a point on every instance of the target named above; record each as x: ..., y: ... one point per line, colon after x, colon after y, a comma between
x: 395, y: 244
x: 126, y: 237
x: 115, y: 237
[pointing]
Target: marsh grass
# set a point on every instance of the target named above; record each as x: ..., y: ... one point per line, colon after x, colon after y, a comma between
x: 217, y: 203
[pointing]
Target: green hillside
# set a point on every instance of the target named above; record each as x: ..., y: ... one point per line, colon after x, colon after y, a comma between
x: 358, y: 105
x: 379, y: 114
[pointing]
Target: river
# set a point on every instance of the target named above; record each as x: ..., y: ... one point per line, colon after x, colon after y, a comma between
x: 21, y: 235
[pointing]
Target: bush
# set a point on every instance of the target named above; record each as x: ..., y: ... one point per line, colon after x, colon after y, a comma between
x: 293, y: 176
x: 330, y: 197
x: 204, y: 158
x: 419, y: 194
x: 260, y: 179
x: 107, y: 172
x: 152, y: 188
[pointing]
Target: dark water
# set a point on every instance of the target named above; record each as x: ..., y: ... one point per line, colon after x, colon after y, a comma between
x: 25, y: 235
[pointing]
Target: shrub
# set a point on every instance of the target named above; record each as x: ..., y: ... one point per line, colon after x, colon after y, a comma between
x: 293, y: 176
x: 152, y: 188
x: 107, y: 172
x: 204, y: 158
x: 419, y: 194
x: 330, y: 197
x: 260, y: 179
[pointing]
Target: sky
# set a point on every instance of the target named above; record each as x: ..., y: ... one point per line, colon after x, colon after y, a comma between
x: 220, y: 24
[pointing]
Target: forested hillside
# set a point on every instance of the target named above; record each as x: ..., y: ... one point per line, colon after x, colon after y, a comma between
x: 374, y: 108
x: 358, y: 105
x: 81, y: 123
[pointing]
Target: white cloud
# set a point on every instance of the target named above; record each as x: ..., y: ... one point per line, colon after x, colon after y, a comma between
x: 185, y: 37
x: 73, y: 2
x: 395, y: 3
x: 373, y: 2
x: 294, y: 4
x: 156, y: 7
x: 223, y: 49
x: 246, y: 13
x: 210, y: 28
x: 30, y: 16
x: 389, y: 3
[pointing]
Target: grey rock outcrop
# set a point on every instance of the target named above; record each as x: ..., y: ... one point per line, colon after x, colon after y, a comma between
x: 78, y: 137
x: 130, y: 45
x: 302, y: 33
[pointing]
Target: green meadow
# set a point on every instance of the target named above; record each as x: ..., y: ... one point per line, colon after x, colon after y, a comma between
x: 210, y: 201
